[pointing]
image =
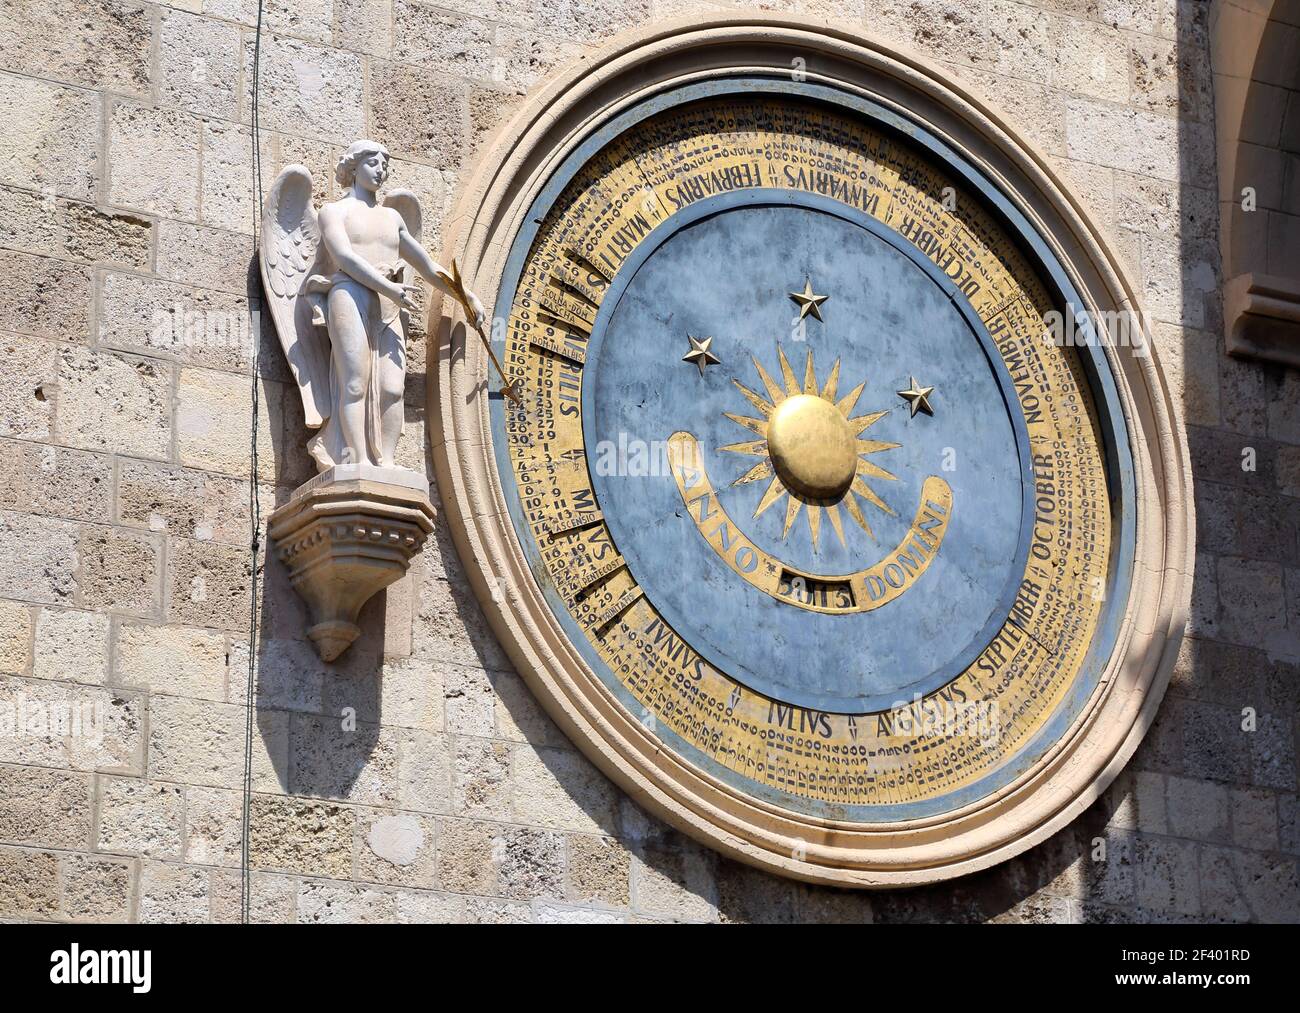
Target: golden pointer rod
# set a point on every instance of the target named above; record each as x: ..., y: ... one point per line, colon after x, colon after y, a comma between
x: 453, y: 281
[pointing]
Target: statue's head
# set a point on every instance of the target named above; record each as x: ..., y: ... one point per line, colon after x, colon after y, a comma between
x: 364, y: 163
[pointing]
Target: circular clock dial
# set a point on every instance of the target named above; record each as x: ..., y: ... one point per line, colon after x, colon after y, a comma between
x: 799, y: 468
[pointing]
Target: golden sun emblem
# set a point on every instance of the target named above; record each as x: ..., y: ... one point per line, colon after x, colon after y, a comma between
x: 811, y: 447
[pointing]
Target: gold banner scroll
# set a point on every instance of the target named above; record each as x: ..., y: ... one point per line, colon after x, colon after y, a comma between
x: 834, y: 594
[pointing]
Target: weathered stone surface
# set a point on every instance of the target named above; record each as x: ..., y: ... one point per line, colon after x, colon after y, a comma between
x: 120, y: 571
x: 192, y: 325
x: 138, y: 817
x: 199, y: 64
x: 15, y: 637
x: 414, y: 112
x: 116, y: 403
x: 1166, y: 876
x: 48, y: 137
x: 205, y: 257
x: 227, y: 192
x: 364, y: 26
x: 153, y: 160
x: 294, y: 835
x: 38, y: 558
x: 27, y: 373
x: 173, y: 893
x: 560, y: 788
x: 45, y: 808
x: 71, y: 646
x: 328, y: 760
x: 208, y: 584
x: 174, y: 660
x: 599, y: 871
x: 307, y: 89
x: 28, y: 883
x: 213, y: 826
x: 100, y: 43
x: 202, y: 743
x: 45, y: 296
x: 677, y: 883
x: 329, y: 903
x: 54, y: 481
x: 43, y: 223
x: 184, y: 502
x: 95, y: 889
x: 272, y: 899
x: 213, y: 422
x: 455, y: 44
x: 425, y: 772
x: 481, y: 784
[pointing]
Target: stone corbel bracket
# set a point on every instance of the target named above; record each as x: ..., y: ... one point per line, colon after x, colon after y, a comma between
x: 348, y: 533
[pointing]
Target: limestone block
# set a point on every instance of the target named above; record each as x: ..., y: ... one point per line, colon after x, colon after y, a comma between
x: 560, y: 788
x: 519, y: 717
x: 1171, y: 77
x: 555, y: 914
x: 202, y: 743
x: 172, y: 894
x: 153, y: 160
x: 55, y: 481
x: 424, y: 771
x: 45, y: 808
x: 183, y: 502
x: 68, y: 726
x: 191, y: 325
x: 1122, y: 138
x: 208, y: 584
x: 1197, y: 809
x: 1088, y: 60
x: 294, y: 835
x: 27, y: 372
x: 96, y: 889
x: 227, y: 193
x: 177, y: 661
x: 45, y: 296
x: 44, y: 223
x: 752, y: 896
x: 38, y: 558
x: 71, y: 646
x: 1036, y: 108
x: 412, y: 695
x: 28, y: 883
x: 322, y: 903
x: 675, y: 883
x: 1191, y: 360
x: 213, y: 427
x: 198, y: 62
x: 470, y: 701
x: 418, y: 115
x: 457, y: 45
x: 1254, y: 818
x: 1159, y: 206
x: 307, y: 89
x: 15, y: 637
x: 138, y: 817
x: 481, y: 779
x: 120, y: 571
x: 100, y: 43
x: 272, y: 900
x: 591, y: 21
x: 363, y: 26
x: 289, y: 675
x: 396, y: 849
x: 423, y: 908
x: 1249, y: 885
x: 1252, y: 599
x: 328, y: 760
x: 204, y: 257
x: 213, y: 826
x: 522, y: 58
x: 116, y: 403
x: 599, y: 871
x: 49, y: 137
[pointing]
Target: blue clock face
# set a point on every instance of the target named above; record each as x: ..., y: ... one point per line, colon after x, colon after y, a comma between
x: 725, y: 270
x: 800, y: 475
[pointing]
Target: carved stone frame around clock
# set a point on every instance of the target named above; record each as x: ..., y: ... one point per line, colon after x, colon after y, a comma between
x: 1088, y: 756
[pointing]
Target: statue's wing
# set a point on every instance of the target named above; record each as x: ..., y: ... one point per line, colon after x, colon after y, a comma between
x: 290, y: 254
x: 407, y: 205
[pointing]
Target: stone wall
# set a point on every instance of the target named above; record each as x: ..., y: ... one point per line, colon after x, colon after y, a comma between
x: 126, y: 217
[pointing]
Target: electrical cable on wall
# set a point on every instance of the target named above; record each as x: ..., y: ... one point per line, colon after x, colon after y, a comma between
x: 254, y: 500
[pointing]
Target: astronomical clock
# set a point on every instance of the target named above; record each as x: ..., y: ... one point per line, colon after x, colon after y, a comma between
x: 830, y: 532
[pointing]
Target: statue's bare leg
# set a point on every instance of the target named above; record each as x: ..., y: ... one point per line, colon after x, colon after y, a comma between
x: 392, y: 384
x: 350, y: 352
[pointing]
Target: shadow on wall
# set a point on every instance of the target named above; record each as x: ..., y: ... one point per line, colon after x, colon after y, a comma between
x: 1202, y: 824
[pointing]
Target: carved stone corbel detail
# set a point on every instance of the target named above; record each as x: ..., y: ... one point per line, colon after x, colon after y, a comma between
x: 345, y: 535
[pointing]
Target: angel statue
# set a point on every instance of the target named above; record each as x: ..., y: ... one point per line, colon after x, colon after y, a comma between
x: 338, y: 285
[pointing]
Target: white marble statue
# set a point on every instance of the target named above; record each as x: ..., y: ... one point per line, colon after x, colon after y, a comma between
x: 337, y: 285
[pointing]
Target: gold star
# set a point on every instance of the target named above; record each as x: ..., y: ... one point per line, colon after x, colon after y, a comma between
x: 918, y: 397
x: 808, y: 301
x: 699, y: 353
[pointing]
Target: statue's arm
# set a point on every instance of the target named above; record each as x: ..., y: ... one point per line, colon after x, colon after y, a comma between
x: 418, y: 257
x: 335, y: 236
